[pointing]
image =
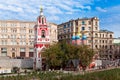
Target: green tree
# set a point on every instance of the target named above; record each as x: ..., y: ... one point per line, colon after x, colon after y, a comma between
x: 53, y: 56
x: 59, y: 54
x: 85, y: 55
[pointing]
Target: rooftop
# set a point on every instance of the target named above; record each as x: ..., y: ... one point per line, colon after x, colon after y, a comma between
x: 106, y: 31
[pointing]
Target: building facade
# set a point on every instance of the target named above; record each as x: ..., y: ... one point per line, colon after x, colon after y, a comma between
x: 116, y: 48
x: 97, y: 39
x: 17, y: 38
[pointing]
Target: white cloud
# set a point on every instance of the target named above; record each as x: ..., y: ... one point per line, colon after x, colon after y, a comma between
x: 84, y: 7
x: 100, y: 9
x: 51, y: 7
x: 69, y: 12
x: 53, y: 10
x: 54, y: 18
x: 111, y: 20
x: 11, y: 8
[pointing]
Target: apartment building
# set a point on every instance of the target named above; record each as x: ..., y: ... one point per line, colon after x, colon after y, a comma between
x: 116, y: 48
x: 97, y: 39
x: 17, y: 37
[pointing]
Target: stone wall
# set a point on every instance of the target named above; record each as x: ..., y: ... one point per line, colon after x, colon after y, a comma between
x: 21, y: 63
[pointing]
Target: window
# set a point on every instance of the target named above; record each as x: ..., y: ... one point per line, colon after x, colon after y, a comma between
x: 89, y: 34
x: 43, y: 34
x: 71, y: 23
x: 31, y: 25
x: 65, y: 26
x: 83, y: 28
x: 13, y: 36
x: 3, y: 36
x: 23, y: 31
x: 96, y: 41
x: 68, y: 25
x: 100, y: 35
x: 106, y: 47
x: 106, y: 41
x: 96, y: 23
x: 31, y: 54
x: 13, y: 42
x: 31, y: 49
x: 76, y: 23
x: 100, y: 41
x: 3, y: 24
x: 13, y: 25
x: 4, y: 29
x: 30, y: 42
x: 22, y: 49
x: 30, y: 31
x: 4, y: 42
x: 96, y: 28
x: 68, y: 30
x: 110, y: 41
x: 96, y: 46
x: 103, y: 46
x: 22, y: 42
x: 89, y: 28
x: 22, y: 54
x: 13, y: 49
x: 3, y: 51
x: 22, y: 36
x: 42, y: 20
x: 23, y: 25
x: 103, y: 41
x: 89, y: 22
x: 83, y: 22
x: 103, y: 35
x: 13, y: 30
x: 110, y: 46
x: 106, y: 35
x: 110, y: 36
x: 96, y: 35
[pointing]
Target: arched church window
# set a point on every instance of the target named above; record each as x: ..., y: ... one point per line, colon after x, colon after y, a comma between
x: 42, y: 20
x: 43, y: 34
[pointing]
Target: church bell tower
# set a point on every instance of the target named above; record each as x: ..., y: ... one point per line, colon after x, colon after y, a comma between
x: 42, y: 39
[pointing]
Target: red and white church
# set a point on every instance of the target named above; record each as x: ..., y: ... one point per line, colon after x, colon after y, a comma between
x: 42, y: 39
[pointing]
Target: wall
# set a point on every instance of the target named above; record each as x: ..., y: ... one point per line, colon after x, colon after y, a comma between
x: 21, y: 63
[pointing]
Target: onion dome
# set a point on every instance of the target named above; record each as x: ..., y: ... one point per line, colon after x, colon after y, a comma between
x: 84, y: 37
x: 73, y: 37
x: 77, y: 37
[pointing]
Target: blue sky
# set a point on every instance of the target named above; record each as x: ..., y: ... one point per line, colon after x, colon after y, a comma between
x: 58, y: 11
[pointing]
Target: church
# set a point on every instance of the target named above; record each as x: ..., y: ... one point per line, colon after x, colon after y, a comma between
x: 42, y: 39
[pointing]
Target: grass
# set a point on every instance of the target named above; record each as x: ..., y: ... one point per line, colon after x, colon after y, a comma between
x: 113, y: 74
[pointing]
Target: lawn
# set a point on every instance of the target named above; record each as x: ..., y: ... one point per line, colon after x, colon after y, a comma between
x: 113, y: 74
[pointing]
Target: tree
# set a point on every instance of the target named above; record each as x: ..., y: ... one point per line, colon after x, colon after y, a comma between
x: 69, y: 52
x: 59, y: 54
x: 53, y: 56
x: 85, y: 55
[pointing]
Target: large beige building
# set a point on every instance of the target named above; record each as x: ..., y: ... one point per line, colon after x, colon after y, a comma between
x: 17, y: 37
x: 100, y: 40
x: 116, y: 48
